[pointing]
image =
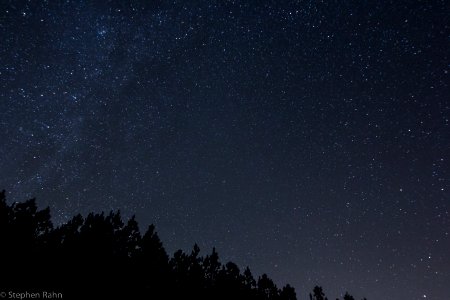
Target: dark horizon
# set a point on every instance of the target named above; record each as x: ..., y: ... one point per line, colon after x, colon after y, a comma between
x: 104, y: 256
x: 309, y: 140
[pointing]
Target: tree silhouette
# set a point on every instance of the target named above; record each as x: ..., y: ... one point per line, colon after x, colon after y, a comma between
x: 288, y: 293
x: 101, y: 256
x: 347, y: 296
x: 318, y: 294
x: 211, y: 267
x: 266, y: 288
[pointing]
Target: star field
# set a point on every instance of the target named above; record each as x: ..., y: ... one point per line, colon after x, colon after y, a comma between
x: 306, y: 139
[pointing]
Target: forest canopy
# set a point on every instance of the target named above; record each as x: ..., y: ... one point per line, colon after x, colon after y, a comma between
x: 103, y: 256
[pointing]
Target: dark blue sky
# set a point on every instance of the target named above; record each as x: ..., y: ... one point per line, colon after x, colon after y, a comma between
x: 306, y: 139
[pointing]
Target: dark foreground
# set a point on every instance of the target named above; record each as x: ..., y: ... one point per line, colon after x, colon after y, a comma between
x: 101, y: 256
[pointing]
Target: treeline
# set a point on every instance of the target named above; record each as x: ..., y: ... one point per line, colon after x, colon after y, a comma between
x: 101, y: 256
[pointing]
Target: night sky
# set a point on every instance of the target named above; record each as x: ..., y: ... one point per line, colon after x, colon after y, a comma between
x: 309, y: 140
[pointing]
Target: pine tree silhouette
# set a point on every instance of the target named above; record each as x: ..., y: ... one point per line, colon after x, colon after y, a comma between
x: 347, y: 296
x: 288, y: 293
x: 101, y: 256
x: 318, y: 294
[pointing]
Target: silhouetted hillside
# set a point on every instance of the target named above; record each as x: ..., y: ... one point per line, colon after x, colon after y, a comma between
x: 101, y: 256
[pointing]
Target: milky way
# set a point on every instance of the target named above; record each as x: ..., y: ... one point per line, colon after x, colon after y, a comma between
x: 307, y: 140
